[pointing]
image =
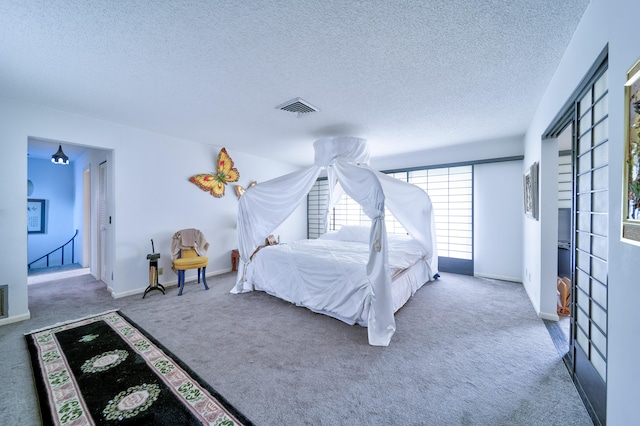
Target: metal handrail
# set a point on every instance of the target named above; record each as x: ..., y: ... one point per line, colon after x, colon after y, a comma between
x: 73, y: 251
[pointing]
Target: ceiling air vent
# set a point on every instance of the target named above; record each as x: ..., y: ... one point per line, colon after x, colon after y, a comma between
x: 297, y: 106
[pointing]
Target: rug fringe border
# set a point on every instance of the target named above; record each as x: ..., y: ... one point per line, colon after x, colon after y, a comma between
x: 60, y: 324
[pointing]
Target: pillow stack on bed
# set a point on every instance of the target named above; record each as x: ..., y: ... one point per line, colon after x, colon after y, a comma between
x: 357, y: 234
x: 403, y: 250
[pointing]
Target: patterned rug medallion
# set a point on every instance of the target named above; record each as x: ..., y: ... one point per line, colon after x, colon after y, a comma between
x: 105, y: 370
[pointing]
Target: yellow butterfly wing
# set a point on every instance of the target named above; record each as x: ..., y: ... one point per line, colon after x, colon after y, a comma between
x: 209, y: 183
x: 214, y: 184
x: 218, y: 189
x: 226, y: 171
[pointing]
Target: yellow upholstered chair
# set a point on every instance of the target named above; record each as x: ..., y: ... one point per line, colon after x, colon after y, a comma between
x: 186, y: 246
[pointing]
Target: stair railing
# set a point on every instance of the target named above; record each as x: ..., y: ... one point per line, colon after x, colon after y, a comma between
x: 72, y: 241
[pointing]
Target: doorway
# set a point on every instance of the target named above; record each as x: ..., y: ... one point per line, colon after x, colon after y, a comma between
x: 565, y: 234
x: 81, y: 203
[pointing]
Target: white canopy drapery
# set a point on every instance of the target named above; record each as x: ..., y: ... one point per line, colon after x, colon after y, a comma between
x: 265, y: 206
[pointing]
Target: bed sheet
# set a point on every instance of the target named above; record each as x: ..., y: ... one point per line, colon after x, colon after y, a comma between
x: 329, y: 276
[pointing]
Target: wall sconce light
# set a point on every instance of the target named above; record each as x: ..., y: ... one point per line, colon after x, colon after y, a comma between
x: 59, y: 157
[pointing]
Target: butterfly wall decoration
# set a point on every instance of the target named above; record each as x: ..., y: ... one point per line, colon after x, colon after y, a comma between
x: 215, y: 183
x: 240, y: 189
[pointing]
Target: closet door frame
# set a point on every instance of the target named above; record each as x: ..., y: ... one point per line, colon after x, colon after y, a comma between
x: 588, y: 336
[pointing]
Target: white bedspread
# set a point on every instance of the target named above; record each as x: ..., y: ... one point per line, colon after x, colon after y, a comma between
x: 327, y: 276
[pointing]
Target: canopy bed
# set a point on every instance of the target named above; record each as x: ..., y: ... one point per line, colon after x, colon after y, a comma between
x: 355, y: 275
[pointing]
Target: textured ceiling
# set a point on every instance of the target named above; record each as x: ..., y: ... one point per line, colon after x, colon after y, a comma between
x: 406, y: 75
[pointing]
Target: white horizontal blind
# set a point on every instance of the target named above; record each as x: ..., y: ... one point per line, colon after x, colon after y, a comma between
x: 451, y: 192
x: 348, y: 212
x: 392, y: 225
x: 316, y: 207
x: 565, y: 181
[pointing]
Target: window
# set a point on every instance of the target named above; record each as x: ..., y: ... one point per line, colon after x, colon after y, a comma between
x: 451, y: 192
x: 316, y: 207
x: 565, y: 181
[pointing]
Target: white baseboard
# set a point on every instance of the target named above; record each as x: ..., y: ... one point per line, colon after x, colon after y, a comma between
x: 549, y: 317
x: 219, y: 272
x: 498, y: 277
x: 542, y: 315
x: 127, y: 293
x: 167, y: 284
x: 15, y: 318
x: 37, y: 279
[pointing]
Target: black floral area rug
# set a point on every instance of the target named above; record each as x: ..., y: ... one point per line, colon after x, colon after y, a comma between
x: 105, y: 370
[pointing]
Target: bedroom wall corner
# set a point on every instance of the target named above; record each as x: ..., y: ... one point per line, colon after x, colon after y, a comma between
x: 13, y: 218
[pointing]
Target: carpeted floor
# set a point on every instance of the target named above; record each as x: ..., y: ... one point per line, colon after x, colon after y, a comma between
x: 467, y: 351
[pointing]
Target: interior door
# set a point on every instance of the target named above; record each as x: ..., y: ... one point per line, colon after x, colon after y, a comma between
x: 102, y: 222
x: 86, y: 218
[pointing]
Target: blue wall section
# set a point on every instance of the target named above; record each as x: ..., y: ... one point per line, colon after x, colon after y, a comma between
x: 55, y: 184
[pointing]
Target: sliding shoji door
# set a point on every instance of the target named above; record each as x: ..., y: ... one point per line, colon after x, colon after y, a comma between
x: 589, y: 314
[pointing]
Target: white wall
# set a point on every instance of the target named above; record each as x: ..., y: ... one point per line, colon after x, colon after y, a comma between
x: 13, y: 218
x: 150, y: 196
x: 162, y: 201
x: 624, y: 291
x: 475, y: 150
x: 78, y: 211
x: 497, y: 218
x: 612, y: 22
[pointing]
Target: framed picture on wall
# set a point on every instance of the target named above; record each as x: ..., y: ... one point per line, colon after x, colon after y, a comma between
x: 631, y: 207
x: 36, y: 216
x: 530, y: 184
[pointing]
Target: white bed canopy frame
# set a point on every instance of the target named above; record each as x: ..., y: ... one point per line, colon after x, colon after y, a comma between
x: 265, y: 206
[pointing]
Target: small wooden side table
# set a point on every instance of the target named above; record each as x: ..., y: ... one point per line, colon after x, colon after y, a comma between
x: 235, y: 256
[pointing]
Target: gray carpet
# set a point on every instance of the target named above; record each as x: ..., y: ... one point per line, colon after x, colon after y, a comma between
x: 467, y: 351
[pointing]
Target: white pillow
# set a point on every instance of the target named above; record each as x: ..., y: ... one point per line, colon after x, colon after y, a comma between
x: 358, y: 234
x: 331, y: 235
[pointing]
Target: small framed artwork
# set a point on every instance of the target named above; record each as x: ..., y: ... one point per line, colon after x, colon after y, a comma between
x: 36, y: 216
x: 631, y: 207
x: 530, y: 183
